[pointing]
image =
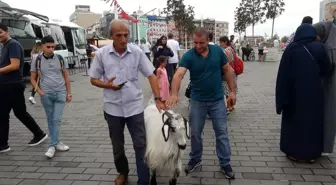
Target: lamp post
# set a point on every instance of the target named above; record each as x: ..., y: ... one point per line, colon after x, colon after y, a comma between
x: 138, y: 16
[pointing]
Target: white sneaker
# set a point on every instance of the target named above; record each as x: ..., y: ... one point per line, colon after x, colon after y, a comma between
x: 51, y: 152
x: 325, y: 154
x: 62, y: 147
x: 32, y: 100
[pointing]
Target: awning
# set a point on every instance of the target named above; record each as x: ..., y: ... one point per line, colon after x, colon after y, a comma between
x: 94, y: 36
x: 17, y: 13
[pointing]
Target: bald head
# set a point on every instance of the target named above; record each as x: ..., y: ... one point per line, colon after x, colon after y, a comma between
x: 117, y: 26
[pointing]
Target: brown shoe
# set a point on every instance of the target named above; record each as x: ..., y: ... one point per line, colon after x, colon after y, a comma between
x: 121, y: 180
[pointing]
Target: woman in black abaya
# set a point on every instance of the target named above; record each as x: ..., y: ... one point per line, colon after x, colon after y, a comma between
x: 300, y: 95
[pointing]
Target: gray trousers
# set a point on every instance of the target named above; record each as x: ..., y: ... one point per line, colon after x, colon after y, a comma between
x: 136, y: 128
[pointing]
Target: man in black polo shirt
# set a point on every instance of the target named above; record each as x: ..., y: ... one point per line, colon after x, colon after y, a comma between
x: 12, y: 91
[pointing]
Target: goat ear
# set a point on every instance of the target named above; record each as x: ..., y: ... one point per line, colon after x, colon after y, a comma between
x: 186, y: 124
x: 165, y: 132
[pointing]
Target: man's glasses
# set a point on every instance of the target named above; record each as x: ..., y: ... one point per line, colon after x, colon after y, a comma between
x: 52, y: 47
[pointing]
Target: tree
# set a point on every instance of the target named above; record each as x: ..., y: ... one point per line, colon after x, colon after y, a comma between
x: 183, y: 16
x: 254, y: 12
x: 240, y: 23
x: 284, y: 39
x: 273, y: 8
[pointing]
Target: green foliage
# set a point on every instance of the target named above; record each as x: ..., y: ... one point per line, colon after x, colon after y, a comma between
x: 182, y: 15
x: 240, y: 23
x: 274, y: 8
x: 284, y: 39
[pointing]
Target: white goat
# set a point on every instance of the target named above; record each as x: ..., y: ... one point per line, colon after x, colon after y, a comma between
x: 166, y: 140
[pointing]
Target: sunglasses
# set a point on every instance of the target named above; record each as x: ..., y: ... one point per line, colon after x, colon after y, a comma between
x: 50, y: 47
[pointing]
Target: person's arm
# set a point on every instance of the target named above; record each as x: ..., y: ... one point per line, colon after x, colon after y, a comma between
x: 14, y: 54
x: 34, y: 76
x: 158, y: 74
x: 177, y: 79
x: 171, y: 53
x: 97, y: 71
x: 66, y: 76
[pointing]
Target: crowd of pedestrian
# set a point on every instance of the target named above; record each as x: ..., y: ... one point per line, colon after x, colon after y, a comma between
x: 305, y: 91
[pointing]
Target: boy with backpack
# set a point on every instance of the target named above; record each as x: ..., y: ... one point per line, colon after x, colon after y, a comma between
x: 54, y: 88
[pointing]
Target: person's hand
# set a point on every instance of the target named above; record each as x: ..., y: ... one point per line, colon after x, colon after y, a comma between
x: 172, y: 100
x: 40, y: 92
x: 232, y: 98
x: 68, y: 98
x: 111, y: 84
x: 160, y: 47
x: 160, y: 105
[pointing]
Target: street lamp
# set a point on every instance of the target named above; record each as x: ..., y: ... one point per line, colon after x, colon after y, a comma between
x: 138, y: 16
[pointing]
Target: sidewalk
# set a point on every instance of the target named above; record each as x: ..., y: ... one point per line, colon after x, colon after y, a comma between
x: 254, y: 131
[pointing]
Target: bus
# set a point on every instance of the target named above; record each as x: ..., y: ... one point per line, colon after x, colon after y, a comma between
x: 21, y: 29
x: 75, y: 39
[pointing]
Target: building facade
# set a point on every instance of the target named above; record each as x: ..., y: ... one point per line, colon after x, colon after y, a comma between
x: 322, y: 10
x: 105, y: 21
x: 83, y: 17
x: 330, y: 9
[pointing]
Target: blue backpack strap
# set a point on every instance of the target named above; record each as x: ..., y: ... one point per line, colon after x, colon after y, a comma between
x: 61, y: 60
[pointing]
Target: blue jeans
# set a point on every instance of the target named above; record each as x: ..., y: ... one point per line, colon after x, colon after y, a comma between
x: 54, y: 104
x: 217, y: 112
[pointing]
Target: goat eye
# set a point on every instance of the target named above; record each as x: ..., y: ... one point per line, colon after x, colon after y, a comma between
x: 173, y: 129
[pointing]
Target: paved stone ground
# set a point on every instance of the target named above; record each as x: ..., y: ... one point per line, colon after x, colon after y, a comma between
x: 254, y: 131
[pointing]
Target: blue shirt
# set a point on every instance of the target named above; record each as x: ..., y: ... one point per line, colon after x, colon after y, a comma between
x: 205, y: 73
x: 128, y: 101
x: 11, y: 49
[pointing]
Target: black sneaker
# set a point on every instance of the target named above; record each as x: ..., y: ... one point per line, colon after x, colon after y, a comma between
x: 4, y: 149
x: 192, y: 165
x: 228, y: 172
x: 38, y: 140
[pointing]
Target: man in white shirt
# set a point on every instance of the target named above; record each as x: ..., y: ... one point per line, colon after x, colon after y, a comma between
x: 174, y: 46
x: 145, y: 46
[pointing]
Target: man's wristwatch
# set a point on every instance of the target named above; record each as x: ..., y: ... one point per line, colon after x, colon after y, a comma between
x: 158, y: 98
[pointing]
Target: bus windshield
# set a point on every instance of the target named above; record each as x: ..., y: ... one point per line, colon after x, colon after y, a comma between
x: 19, y: 28
x: 79, y: 37
x: 58, y: 35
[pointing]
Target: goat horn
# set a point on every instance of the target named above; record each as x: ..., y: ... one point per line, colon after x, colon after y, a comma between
x: 170, y: 116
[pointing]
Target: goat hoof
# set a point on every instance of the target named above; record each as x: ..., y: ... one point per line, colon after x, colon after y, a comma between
x: 186, y: 172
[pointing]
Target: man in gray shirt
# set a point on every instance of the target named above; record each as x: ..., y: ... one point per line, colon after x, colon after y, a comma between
x: 119, y: 64
x: 54, y: 89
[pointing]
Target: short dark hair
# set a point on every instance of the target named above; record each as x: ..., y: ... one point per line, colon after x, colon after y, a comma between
x: 225, y: 39
x: 170, y: 35
x: 307, y: 20
x: 47, y: 39
x: 3, y: 27
x: 200, y: 31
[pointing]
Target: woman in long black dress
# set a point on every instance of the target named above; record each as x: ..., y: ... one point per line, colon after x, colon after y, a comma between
x: 300, y: 95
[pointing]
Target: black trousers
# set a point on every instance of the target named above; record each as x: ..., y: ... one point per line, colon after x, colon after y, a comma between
x: 171, y: 69
x: 245, y: 53
x: 136, y: 128
x: 12, y: 96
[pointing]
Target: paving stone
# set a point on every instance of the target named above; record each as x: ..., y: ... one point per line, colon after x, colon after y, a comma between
x: 33, y: 182
x: 10, y: 181
x: 78, y: 177
x: 258, y: 176
x: 59, y: 182
x: 53, y: 176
